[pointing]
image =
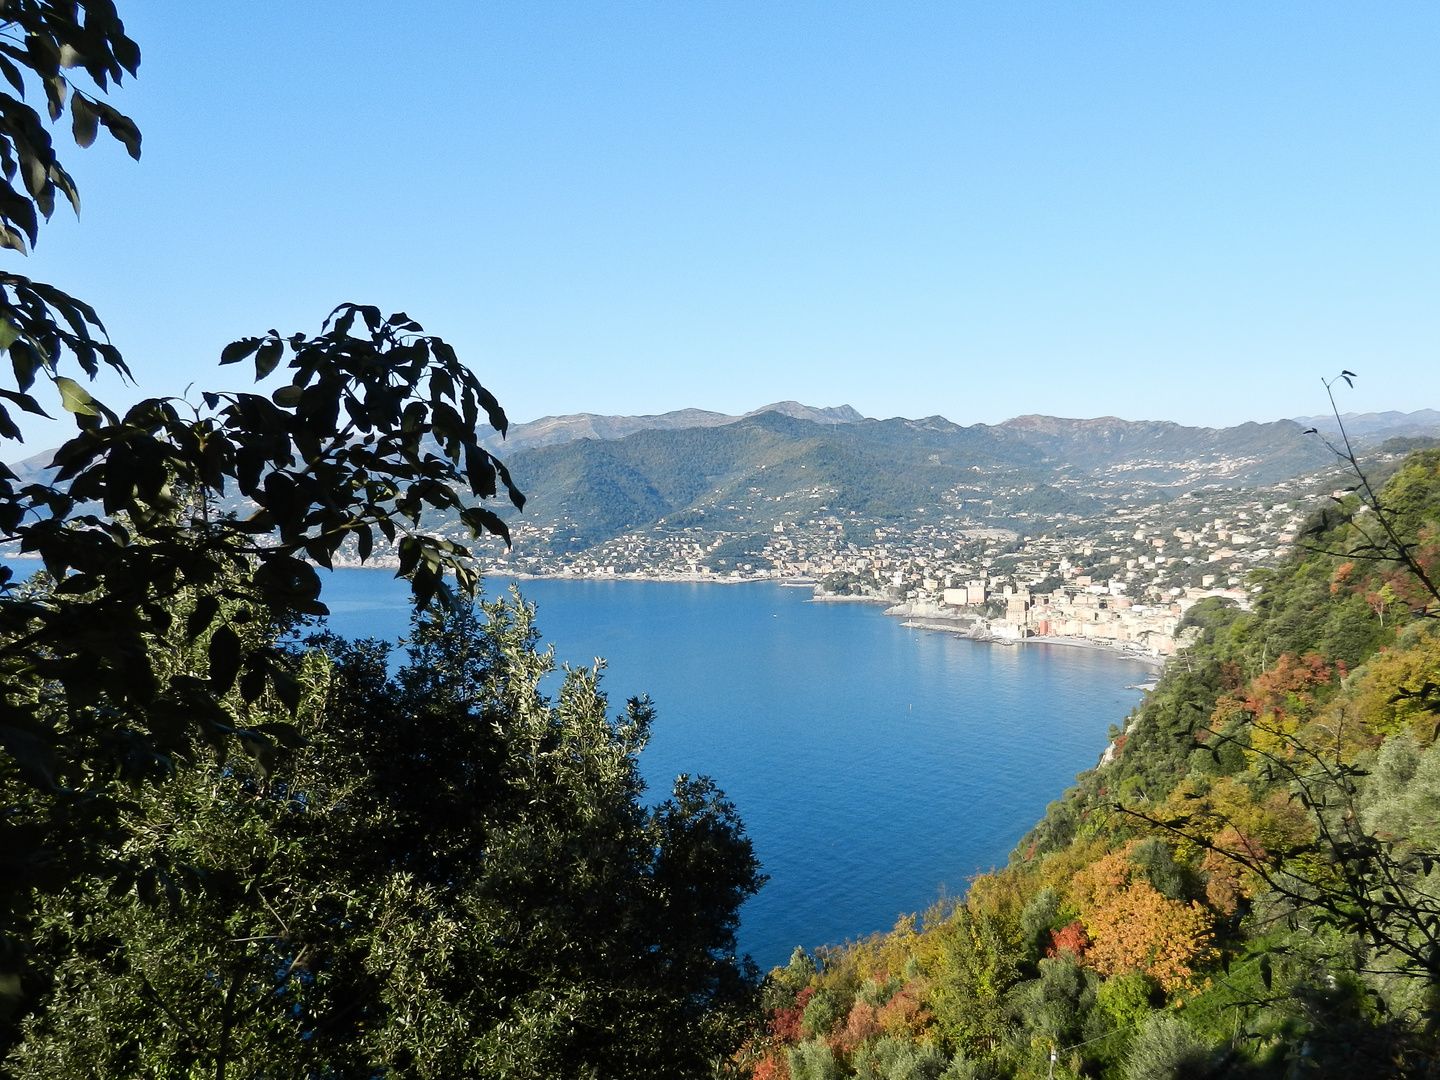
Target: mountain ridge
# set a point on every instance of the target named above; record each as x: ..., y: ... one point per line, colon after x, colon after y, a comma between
x: 756, y: 473
x: 745, y: 478
x: 1371, y: 428
x: 1366, y: 429
x: 552, y: 430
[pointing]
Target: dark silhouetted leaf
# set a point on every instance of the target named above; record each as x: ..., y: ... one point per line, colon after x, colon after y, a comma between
x: 203, y: 614
x: 267, y: 358
x: 238, y: 350
x: 287, y: 735
x: 224, y: 655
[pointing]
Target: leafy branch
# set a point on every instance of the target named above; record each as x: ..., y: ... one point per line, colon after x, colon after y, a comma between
x: 1346, y: 877
x: 1392, y: 546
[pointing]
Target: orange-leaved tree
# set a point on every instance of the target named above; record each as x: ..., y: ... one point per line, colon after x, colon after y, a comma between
x: 1131, y: 925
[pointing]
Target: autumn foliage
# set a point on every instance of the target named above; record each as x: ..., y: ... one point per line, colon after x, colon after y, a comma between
x: 1132, y: 926
x: 1070, y: 938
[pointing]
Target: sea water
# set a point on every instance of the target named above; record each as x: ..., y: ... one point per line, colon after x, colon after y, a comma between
x: 876, y: 767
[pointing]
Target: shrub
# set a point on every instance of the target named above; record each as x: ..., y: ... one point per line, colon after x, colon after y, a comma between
x: 821, y: 1013
x: 1167, y: 1049
x: 812, y: 1060
x: 899, y: 1059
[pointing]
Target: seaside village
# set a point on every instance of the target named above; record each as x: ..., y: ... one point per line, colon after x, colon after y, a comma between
x: 1126, y: 582
x: 1092, y: 613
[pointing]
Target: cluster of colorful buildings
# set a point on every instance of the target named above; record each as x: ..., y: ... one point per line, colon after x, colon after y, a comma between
x: 1093, y: 614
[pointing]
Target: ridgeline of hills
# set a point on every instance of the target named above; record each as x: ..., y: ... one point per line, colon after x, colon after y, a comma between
x: 591, y: 478
x: 751, y: 473
x: 1366, y: 429
x: 549, y: 430
x: 1370, y: 429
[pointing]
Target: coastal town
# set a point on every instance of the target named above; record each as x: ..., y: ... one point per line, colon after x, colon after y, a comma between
x: 1122, y: 579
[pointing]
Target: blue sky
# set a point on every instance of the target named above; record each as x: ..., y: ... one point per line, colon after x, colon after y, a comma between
x: 1186, y: 211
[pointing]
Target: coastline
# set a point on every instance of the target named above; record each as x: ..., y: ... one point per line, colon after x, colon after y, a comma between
x: 976, y: 628
x: 671, y: 579
x: 971, y: 627
x: 392, y: 564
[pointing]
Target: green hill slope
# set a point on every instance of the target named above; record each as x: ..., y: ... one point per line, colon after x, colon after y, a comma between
x: 747, y: 476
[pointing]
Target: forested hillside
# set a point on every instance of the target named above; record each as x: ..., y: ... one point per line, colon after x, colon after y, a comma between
x: 738, y: 477
x: 1248, y: 885
x: 697, y: 475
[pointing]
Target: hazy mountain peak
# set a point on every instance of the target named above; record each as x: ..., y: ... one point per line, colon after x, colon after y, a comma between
x: 838, y: 414
x: 1376, y: 427
x: 1098, y: 425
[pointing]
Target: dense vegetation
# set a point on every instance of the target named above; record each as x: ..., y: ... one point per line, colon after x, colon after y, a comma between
x: 1248, y: 886
x: 443, y: 873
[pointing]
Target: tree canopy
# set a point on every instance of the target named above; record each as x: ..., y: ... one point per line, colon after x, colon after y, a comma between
x: 223, y: 849
x: 451, y: 875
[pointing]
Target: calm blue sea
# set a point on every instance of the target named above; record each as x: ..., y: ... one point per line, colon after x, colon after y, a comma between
x: 874, y: 766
